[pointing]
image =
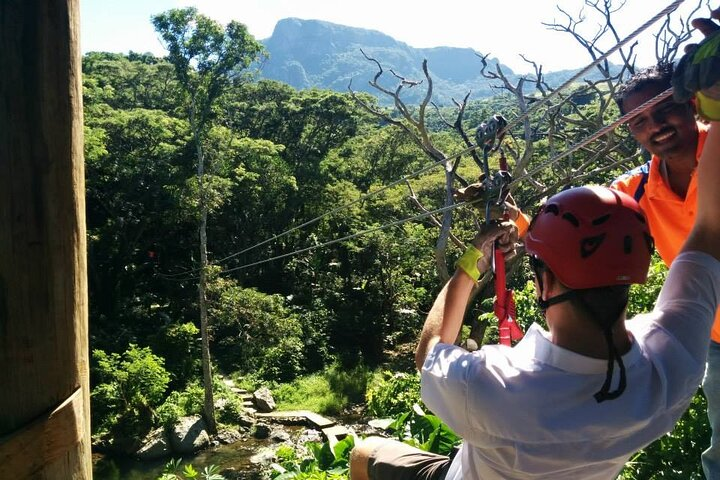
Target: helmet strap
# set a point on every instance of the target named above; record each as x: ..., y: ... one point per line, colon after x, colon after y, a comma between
x: 538, y: 269
x: 613, y: 356
x: 545, y: 304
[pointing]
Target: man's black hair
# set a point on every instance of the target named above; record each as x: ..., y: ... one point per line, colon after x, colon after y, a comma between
x: 659, y: 75
x: 604, y: 305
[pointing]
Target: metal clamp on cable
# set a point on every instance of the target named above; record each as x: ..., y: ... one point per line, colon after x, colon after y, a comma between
x: 490, y: 134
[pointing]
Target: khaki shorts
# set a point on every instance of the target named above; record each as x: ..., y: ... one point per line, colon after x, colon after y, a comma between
x: 399, y: 461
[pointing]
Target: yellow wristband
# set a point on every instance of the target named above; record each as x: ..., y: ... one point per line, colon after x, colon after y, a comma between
x: 468, y: 262
x: 707, y: 107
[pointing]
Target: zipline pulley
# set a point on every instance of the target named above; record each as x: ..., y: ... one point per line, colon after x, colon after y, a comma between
x: 489, y: 137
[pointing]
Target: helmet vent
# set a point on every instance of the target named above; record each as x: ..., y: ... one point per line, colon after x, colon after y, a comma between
x: 590, y: 244
x: 627, y: 244
x: 571, y: 218
x: 552, y: 208
x: 650, y: 242
x: 601, y: 220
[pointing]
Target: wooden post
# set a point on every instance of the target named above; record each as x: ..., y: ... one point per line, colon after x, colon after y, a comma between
x: 44, y: 401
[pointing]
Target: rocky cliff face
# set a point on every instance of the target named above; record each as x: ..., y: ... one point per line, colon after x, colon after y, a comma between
x: 314, y: 53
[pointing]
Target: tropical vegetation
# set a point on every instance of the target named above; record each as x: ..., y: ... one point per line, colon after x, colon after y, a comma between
x: 282, y: 238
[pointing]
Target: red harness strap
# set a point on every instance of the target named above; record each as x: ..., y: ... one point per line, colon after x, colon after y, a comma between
x: 504, y: 306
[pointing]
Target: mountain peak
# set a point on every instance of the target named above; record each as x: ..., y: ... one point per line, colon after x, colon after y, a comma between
x: 320, y: 34
x: 321, y: 54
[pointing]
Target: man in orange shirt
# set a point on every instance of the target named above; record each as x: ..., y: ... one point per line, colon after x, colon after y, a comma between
x: 666, y: 189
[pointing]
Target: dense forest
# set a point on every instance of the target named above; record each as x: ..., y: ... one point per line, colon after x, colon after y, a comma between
x: 289, y: 210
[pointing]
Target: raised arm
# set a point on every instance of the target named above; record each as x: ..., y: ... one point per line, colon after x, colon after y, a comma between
x: 705, y: 235
x: 446, y: 315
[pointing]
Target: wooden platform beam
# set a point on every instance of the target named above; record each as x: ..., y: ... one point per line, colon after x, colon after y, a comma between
x: 44, y: 398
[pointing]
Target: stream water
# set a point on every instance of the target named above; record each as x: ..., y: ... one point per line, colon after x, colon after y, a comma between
x: 236, y: 456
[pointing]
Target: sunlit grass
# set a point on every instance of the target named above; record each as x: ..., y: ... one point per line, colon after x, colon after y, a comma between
x: 328, y: 392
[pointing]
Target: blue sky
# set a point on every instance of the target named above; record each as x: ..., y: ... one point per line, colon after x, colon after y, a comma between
x: 504, y: 28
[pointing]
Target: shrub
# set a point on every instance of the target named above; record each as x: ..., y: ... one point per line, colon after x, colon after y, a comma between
x: 231, y: 410
x: 351, y: 383
x: 173, y: 471
x: 248, y: 381
x: 315, y: 322
x: 526, y: 307
x: 326, y: 463
x: 286, y: 455
x: 181, y: 404
x: 426, y: 432
x: 391, y: 394
x: 677, y: 454
x: 311, y: 392
x: 129, y: 387
x: 643, y: 297
x: 284, y: 361
x: 254, y: 331
x: 178, y: 345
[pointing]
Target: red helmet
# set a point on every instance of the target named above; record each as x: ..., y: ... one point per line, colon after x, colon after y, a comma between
x: 592, y: 237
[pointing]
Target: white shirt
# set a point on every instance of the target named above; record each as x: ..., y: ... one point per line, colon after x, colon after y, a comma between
x: 529, y: 412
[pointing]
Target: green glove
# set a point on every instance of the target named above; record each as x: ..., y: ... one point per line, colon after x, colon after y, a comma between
x: 700, y: 70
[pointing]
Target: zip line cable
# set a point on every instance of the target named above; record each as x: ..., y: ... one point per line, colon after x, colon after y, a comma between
x: 665, y: 11
x: 361, y: 199
x: 670, y: 8
x: 602, y: 132
x: 346, y: 238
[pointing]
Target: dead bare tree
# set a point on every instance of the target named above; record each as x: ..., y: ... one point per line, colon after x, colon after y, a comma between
x: 605, y: 9
x: 670, y: 37
x: 571, y: 122
x: 414, y: 122
x: 564, y: 120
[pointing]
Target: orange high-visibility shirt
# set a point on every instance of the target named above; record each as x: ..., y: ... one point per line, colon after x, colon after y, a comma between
x: 670, y: 217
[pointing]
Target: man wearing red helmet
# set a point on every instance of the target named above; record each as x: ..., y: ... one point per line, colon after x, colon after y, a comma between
x: 576, y: 401
x: 595, y: 242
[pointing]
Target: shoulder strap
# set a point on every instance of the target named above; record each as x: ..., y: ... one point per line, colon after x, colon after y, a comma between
x: 640, y: 191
